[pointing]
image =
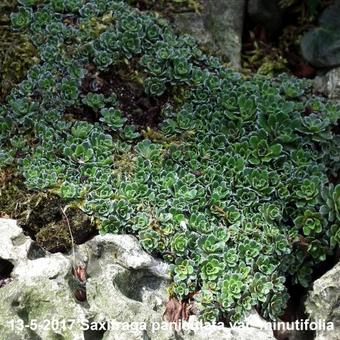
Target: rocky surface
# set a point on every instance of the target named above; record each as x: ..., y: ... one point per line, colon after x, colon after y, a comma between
x: 323, y: 303
x: 126, y: 294
x: 329, y: 84
x: 321, y: 45
x: 218, y: 28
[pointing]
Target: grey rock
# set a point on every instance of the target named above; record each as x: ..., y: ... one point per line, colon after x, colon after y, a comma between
x: 194, y: 24
x: 323, y: 303
x: 218, y: 29
x: 330, y: 16
x: 126, y: 292
x: 329, y: 84
x: 15, y: 246
x: 124, y: 284
x: 125, y: 250
x: 321, y: 46
x: 267, y: 13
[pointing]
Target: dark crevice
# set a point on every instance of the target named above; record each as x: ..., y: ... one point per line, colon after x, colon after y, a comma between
x: 82, y: 113
x: 140, y: 109
x: 295, y: 309
x: 323, y: 267
x: 276, y: 40
x: 6, y: 268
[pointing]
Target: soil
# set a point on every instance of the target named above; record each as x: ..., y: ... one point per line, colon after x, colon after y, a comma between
x: 48, y: 227
x: 140, y: 109
x: 41, y: 218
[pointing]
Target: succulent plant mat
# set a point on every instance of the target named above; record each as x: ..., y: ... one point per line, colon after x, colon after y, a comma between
x: 231, y: 180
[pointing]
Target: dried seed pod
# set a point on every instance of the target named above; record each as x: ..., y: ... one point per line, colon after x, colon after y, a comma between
x: 80, y: 273
x: 80, y: 295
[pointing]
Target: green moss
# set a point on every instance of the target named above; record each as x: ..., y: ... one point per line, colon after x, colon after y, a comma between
x: 40, y: 215
x: 55, y: 236
x: 13, y: 193
x: 17, y: 53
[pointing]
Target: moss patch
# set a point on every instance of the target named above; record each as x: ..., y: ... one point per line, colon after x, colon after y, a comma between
x: 39, y: 214
x: 17, y: 54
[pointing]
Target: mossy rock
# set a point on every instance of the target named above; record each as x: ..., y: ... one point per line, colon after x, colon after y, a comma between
x: 55, y: 236
x: 41, y: 216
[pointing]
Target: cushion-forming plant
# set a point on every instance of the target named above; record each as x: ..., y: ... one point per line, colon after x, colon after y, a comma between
x: 236, y: 184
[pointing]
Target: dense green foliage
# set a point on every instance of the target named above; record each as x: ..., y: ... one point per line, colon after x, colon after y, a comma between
x: 234, y: 188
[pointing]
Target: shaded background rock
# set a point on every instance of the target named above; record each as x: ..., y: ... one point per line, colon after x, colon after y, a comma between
x: 321, y: 46
x: 218, y: 28
x: 323, y: 303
